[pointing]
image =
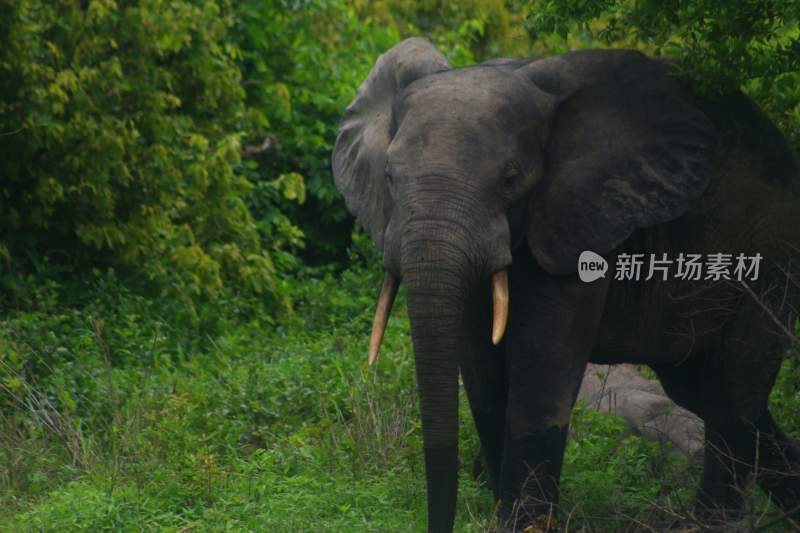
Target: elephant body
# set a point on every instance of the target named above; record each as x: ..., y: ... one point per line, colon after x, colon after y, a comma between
x: 466, y: 178
x: 749, y: 206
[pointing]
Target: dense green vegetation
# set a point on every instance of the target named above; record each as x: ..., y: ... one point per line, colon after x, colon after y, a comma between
x: 184, y: 306
x: 115, y: 417
x: 187, y: 143
x: 720, y: 45
x: 136, y: 423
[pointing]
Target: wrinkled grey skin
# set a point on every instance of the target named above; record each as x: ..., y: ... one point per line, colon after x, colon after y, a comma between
x: 521, y: 165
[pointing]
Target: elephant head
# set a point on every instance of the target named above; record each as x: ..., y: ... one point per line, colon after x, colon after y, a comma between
x: 449, y: 170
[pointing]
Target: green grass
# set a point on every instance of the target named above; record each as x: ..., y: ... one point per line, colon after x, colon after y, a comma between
x: 119, y: 417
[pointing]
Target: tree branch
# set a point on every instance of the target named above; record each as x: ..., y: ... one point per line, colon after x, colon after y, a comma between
x: 266, y: 144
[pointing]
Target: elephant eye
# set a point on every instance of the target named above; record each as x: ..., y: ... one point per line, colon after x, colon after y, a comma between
x: 511, y: 176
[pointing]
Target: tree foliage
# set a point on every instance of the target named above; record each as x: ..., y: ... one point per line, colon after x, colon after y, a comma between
x: 468, y: 31
x: 301, y: 63
x: 720, y: 45
x: 122, y: 125
x: 187, y: 142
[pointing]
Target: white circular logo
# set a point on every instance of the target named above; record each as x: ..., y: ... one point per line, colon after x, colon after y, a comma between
x: 591, y: 266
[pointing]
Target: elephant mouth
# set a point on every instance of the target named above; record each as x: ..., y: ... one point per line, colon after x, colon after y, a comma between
x: 499, y: 282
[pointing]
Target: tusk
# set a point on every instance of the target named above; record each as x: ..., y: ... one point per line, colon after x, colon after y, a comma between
x: 499, y: 305
x: 385, y: 301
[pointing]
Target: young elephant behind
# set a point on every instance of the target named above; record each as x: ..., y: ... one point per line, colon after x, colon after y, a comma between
x: 482, y: 186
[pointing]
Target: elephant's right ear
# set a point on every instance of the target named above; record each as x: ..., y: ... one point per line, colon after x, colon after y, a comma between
x: 359, y: 157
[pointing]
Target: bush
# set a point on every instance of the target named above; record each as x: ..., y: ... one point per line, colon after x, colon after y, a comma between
x: 122, y: 125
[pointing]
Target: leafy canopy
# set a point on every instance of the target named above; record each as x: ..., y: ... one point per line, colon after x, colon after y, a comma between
x: 720, y: 45
x: 187, y: 143
x: 122, y: 125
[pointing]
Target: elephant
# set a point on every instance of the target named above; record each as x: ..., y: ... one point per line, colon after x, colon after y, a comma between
x: 484, y: 186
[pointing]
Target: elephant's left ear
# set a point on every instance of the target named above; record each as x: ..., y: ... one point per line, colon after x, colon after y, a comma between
x: 628, y: 148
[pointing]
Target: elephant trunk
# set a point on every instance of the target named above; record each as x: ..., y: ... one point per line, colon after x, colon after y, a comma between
x: 437, y: 279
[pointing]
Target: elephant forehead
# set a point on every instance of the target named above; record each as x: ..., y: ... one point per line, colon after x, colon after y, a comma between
x: 480, y: 93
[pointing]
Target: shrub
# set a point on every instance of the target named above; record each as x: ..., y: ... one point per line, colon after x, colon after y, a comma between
x: 121, y: 125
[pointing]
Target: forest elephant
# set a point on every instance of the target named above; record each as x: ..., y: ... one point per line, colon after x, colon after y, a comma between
x: 512, y: 199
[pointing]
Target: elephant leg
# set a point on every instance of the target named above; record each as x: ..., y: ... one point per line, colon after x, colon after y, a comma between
x: 730, y: 437
x: 552, y: 326
x: 758, y: 341
x: 696, y: 384
x: 754, y: 344
x: 483, y: 373
x: 729, y: 389
x: 728, y: 463
x: 738, y: 449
